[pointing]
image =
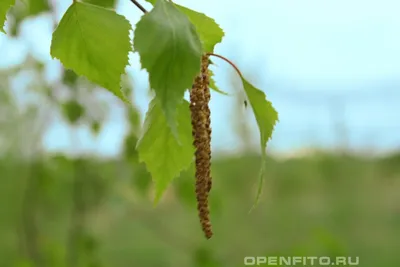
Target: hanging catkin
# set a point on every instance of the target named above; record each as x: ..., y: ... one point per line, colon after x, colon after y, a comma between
x: 207, y: 96
x: 201, y: 130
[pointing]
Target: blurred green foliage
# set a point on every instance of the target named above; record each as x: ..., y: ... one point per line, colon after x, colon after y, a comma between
x: 61, y: 211
x: 58, y: 211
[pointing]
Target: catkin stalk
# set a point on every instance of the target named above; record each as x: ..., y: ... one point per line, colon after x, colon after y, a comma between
x: 201, y: 130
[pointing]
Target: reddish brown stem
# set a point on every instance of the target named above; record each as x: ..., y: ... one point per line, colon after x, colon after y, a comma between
x: 227, y: 60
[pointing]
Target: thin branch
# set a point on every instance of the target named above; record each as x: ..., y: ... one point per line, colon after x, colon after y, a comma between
x: 138, y: 5
x: 227, y: 60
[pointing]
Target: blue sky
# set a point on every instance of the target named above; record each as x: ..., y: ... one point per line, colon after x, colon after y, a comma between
x: 301, y: 53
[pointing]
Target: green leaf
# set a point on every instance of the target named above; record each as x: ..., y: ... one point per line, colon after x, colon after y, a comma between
x: 93, y: 42
x: 103, y: 3
x: 4, y: 7
x: 170, y: 50
x: 165, y: 157
x: 266, y: 117
x: 213, y: 85
x: 265, y: 113
x: 209, y: 31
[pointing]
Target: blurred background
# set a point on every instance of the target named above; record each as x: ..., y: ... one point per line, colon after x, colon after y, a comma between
x: 73, y: 194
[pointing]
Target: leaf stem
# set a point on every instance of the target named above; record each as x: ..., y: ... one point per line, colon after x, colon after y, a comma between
x: 227, y: 60
x: 138, y: 5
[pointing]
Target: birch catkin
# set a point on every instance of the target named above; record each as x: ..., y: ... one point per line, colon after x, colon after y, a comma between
x: 207, y: 97
x: 201, y: 130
